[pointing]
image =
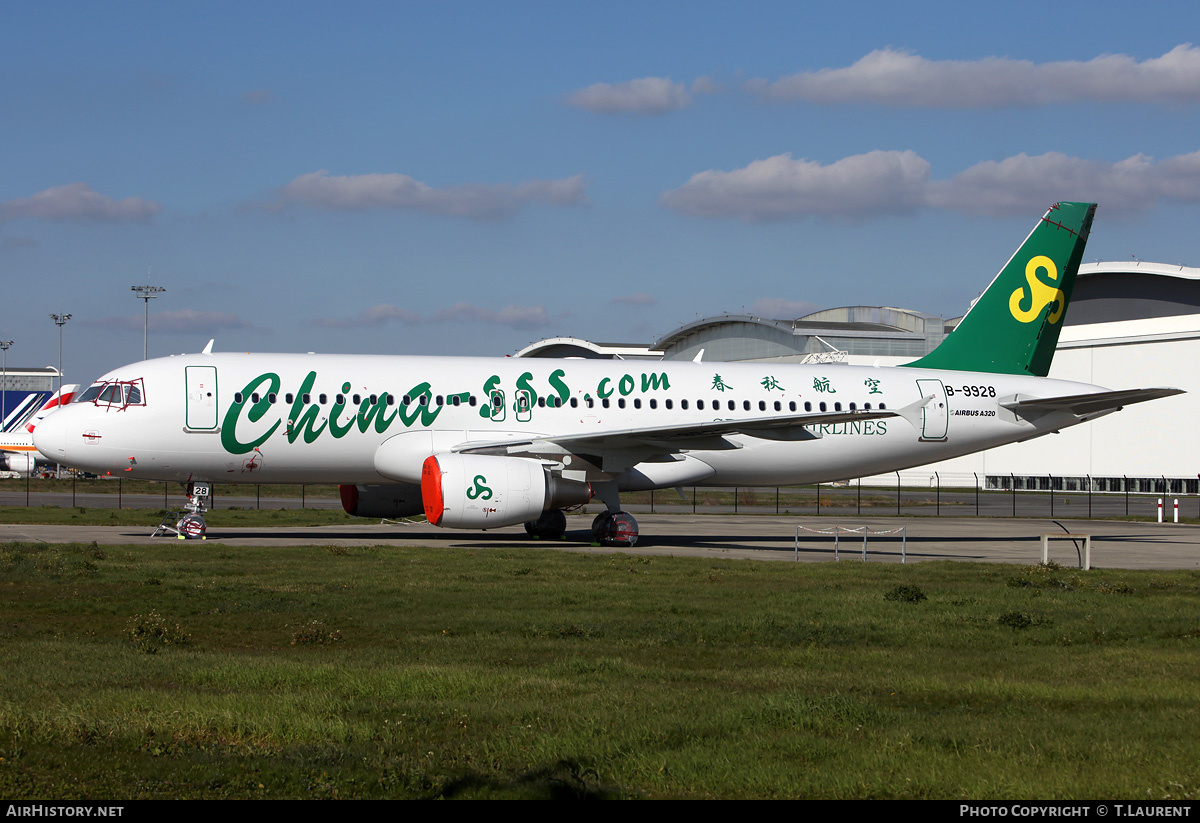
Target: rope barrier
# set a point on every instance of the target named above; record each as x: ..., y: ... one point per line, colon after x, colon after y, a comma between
x: 865, y: 531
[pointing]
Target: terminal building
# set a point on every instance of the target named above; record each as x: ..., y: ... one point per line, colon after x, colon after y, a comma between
x: 21, y: 390
x: 1129, y: 325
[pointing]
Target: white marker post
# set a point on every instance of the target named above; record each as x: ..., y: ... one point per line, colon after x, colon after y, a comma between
x: 1176, y: 509
x: 1160, y: 510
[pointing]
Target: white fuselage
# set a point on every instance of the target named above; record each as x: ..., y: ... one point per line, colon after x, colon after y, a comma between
x: 297, y: 418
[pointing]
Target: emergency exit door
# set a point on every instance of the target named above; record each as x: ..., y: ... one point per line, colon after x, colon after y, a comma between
x: 935, y: 414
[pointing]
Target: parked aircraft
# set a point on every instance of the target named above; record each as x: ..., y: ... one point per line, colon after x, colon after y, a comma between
x: 16, y: 447
x: 478, y: 443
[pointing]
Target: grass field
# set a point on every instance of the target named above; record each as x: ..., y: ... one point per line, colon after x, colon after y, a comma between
x: 148, y: 518
x: 169, y: 671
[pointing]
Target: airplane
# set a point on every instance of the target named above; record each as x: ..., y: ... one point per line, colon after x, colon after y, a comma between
x: 17, y: 452
x: 481, y: 443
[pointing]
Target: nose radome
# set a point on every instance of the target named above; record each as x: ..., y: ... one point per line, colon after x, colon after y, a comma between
x: 50, y: 437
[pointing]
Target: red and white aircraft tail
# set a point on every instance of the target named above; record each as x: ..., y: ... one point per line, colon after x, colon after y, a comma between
x: 17, y: 452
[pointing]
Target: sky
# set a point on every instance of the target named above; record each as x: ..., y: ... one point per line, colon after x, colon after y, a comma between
x: 468, y: 178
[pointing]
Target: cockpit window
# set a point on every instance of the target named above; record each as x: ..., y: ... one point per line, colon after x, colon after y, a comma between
x: 116, y: 395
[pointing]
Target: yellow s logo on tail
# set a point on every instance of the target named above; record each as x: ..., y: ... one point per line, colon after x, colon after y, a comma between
x: 1038, y: 294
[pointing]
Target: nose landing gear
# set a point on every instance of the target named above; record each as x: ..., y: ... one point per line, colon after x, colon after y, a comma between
x: 188, y: 524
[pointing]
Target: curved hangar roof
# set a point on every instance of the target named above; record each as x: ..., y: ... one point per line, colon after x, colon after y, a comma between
x: 1106, y: 292
x: 875, y: 330
x: 576, y: 347
x: 1113, y: 291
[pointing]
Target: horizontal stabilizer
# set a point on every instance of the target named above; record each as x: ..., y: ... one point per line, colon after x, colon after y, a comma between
x: 1083, y: 405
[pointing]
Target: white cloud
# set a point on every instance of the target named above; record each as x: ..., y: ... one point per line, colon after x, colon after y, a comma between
x: 877, y: 183
x: 517, y: 317
x: 639, y: 299
x: 361, y: 192
x: 18, y: 243
x: 77, y: 201
x: 378, y: 315
x: 1019, y: 184
x: 646, y: 95
x: 780, y: 188
x: 897, y: 78
x: 257, y: 97
x: 183, y: 321
x: 780, y: 308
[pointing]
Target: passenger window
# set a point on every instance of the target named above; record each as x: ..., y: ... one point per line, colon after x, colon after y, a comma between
x: 237, y: 397
x: 699, y: 405
x: 683, y: 404
x: 254, y: 397
x: 272, y: 397
x: 322, y: 399
x: 574, y: 402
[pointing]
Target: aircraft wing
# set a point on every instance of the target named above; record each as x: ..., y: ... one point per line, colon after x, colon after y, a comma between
x: 1084, y: 405
x: 619, y: 449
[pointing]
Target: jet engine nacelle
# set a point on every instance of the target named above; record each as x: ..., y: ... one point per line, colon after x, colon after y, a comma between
x: 398, y: 500
x: 471, y: 491
x: 21, y: 463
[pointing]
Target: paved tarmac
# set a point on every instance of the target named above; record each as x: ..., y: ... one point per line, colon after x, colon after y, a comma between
x: 1115, y: 544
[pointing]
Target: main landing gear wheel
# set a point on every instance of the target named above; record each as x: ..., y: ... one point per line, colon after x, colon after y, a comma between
x: 552, y: 525
x: 615, y: 529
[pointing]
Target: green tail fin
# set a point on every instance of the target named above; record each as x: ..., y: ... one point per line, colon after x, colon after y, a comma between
x: 1013, y: 327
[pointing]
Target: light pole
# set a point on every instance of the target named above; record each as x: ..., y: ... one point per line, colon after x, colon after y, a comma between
x: 60, y: 320
x: 4, y: 344
x: 147, y: 293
